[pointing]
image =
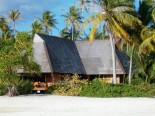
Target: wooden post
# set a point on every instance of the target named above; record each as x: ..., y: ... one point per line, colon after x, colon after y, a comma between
x: 88, y: 77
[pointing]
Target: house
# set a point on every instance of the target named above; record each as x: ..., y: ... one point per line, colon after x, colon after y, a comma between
x: 58, y: 56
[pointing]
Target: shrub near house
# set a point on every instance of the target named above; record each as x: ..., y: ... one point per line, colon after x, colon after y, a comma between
x: 71, y: 86
x: 98, y: 88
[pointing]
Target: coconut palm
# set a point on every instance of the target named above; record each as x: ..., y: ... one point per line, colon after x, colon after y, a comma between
x: 83, y: 5
x: 147, y: 34
x: 148, y: 44
x: 36, y: 28
x: 6, y: 33
x: 4, y: 28
x: 145, y: 10
x: 3, y: 23
x: 13, y: 16
x: 48, y: 21
x: 67, y: 33
x: 73, y: 19
x: 135, y: 41
x: 114, y: 14
x: 146, y: 50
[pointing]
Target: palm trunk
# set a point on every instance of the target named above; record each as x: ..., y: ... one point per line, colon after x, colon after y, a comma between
x: 142, y: 65
x: 130, y: 69
x: 72, y: 32
x: 14, y: 25
x: 46, y: 31
x: 113, y: 57
x: 127, y: 48
x: 12, y: 91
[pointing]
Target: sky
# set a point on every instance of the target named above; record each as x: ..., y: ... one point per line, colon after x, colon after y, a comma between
x: 33, y: 9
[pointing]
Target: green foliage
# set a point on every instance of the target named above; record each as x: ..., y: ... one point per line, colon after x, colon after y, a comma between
x: 73, y: 19
x: 71, y: 86
x: 51, y: 89
x: 9, y: 82
x: 67, y: 33
x: 24, y: 87
x: 48, y: 20
x: 98, y: 88
x: 14, y: 56
x: 116, y: 15
x: 137, y: 81
x: 146, y: 68
x: 36, y: 28
x: 3, y: 90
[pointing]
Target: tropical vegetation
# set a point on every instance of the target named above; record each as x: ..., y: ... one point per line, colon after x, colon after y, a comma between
x: 129, y: 30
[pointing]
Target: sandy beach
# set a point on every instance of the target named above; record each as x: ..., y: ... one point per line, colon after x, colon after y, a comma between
x: 48, y: 105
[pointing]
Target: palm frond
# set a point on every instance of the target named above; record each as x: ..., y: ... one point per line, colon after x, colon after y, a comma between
x: 148, y: 45
x: 123, y: 9
x: 118, y: 30
x: 92, y: 33
x: 146, y: 33
x: 94, y: 18
x: 127, y: 19
x: 153, y: 14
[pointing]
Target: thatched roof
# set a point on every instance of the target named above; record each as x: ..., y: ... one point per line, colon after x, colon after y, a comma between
x: 41, y: 54
x: 97, y: 58
x: 65, y: 56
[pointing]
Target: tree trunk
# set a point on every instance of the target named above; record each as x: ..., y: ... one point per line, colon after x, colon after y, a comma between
x: 113, y: 57
x: 127, y: 48
x: 14, y: 25
x: 12, y: 91
x: 72, y: 32
x: 142, y: 65
x: 130, y: 69
x: 46, y: 31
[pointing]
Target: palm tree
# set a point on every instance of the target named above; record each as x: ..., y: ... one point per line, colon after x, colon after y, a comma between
x: 83, y: 5
x: 3, y: 23
x: 4, y: 28
x: 145, y: 11
x: 73, y: 19
x: 48, y: 20
x: 14, y: 15
x: 67, y: 33
x: 6, y: 33
x: 114, y: 14
x: 135, y: 41
x: 36, y: 28
x: 146, y: 51
x: 148, y: 44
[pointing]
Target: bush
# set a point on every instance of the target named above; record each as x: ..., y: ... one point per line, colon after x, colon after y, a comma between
x: 71, y: 86
x: 3, y: 90
x: 50, y: 89
x: 98, y: 88
x: 137, y: 81
x: 9, y: 82
x: 24, y: 87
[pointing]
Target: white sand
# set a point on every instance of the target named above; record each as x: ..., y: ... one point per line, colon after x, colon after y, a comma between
x: 39, y: 105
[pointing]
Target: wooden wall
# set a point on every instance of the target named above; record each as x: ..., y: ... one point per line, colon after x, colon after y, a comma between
x: 52, y: 79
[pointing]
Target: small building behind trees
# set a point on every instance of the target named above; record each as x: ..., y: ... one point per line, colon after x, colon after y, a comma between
x: 58, y: 56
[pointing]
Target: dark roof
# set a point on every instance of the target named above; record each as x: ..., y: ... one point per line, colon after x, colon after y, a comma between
x: 124, y: 59
x: 63, y: 54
